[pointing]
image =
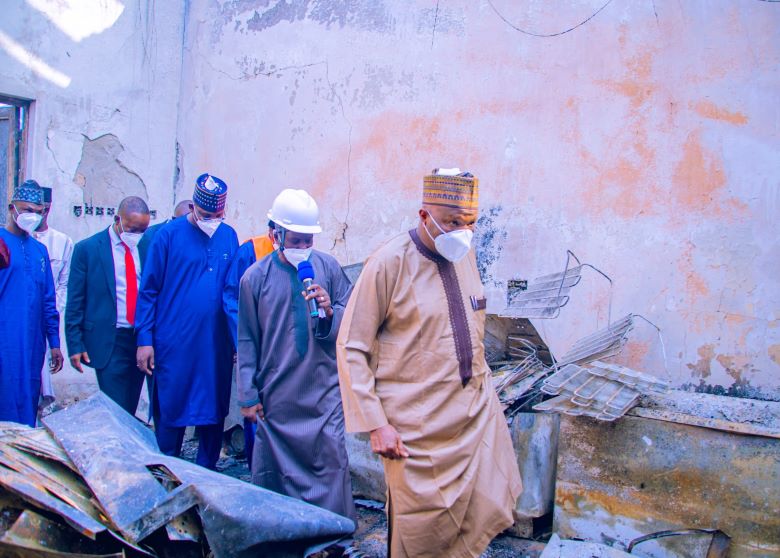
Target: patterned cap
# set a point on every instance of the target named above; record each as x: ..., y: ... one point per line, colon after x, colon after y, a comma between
x: 451, y: 188
x: 210, y: 193
x: 28, y: 191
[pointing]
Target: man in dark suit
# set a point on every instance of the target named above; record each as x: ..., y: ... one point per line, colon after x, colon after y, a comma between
x: 105, y: 275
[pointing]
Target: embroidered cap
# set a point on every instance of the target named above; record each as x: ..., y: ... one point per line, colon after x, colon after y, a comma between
x: 28, y: 191
x: 210, y: 193
x: 451, y: 188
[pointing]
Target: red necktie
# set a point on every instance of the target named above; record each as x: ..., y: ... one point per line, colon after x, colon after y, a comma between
x: 132, y: 284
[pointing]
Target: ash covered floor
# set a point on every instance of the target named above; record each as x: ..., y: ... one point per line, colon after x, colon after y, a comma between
x: 371, y: 535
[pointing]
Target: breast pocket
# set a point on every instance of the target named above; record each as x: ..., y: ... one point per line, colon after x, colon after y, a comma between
x: 211, y: 273
x: 40, y: 272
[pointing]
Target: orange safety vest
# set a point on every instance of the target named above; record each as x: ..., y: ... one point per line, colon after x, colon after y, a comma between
x: 263, y: 246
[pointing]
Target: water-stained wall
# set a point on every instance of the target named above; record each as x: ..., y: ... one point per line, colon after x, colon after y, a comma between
x: 641, y: 135
x: 644, y: 140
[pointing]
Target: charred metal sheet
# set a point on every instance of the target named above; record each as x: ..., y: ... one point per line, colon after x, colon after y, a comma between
x: 520, y: 361
x: 502, y: 337
x: 185, y: 527
x: 33, y: 536
x: 621, y: 480
x: 85, y: 521
x: 239, y: 519
x: 527, y: 365
x: 730, y: 414
x: 38, y: 441
x: 132, y: 498
x: 535, y: 439
x: 55, y: 477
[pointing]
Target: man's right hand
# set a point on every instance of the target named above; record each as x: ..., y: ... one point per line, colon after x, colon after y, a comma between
x: 253, y: 413
x: 144, y: 359
x: 386, y: 441
x: 77, y: 359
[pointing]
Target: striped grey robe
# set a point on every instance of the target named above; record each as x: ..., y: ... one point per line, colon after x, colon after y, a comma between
x: 291, y: 369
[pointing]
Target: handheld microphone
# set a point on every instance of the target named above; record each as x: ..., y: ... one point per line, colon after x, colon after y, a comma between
x: 306, y: 276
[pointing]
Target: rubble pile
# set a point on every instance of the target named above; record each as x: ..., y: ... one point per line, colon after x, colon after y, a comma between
x: 93, y: 483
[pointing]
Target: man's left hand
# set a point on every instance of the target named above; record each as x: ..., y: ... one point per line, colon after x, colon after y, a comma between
x: 322, y: 297
x: 56, y: 361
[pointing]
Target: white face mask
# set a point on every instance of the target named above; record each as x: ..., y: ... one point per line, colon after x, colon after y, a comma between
x: 208, y: 226
x: 28, y: 222
x: 297, y: 255
x: 131, y: 239
x: 452, y: 246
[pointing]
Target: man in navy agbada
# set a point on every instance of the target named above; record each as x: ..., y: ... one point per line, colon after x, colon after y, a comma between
x: 184, y: 341
x: 28, y: 308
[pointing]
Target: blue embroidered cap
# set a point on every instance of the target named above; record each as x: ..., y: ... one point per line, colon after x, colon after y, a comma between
x: 28, y: 191
x: 210, y: 193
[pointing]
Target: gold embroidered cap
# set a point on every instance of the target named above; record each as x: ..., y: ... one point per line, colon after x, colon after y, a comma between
x: 451, y: 188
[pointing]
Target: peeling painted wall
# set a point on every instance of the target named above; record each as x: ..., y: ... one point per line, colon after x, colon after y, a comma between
x: 104, y: 76
x: 645, y: 140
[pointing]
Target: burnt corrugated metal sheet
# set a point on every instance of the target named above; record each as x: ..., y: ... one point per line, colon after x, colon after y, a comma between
x: 620, y: 480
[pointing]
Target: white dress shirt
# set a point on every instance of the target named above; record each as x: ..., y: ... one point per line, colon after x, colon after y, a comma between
x: 118, y: 251
x: 60, y: 248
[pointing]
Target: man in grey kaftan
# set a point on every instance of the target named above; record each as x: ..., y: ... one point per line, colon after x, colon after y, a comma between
x: 287, y: 376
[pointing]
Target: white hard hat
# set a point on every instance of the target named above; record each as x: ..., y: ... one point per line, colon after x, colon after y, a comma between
x: 296, y: 211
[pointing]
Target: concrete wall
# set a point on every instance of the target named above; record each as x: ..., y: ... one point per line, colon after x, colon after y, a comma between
x: 645, y: 140
x: 104, y: 77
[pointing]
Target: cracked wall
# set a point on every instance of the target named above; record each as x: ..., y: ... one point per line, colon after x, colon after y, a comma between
x: 103, y: 176
x: 644, y: 139
x: 642, y: 136
x: 105, y: 110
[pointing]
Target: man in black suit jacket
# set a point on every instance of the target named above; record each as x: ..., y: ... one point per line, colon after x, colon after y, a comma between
x: 105, y: 276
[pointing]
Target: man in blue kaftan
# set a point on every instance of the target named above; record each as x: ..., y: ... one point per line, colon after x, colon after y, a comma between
x: 28, y: 307
x: 184, y: 341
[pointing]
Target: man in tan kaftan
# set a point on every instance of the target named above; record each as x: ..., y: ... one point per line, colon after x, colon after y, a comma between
x: 413, y: 373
